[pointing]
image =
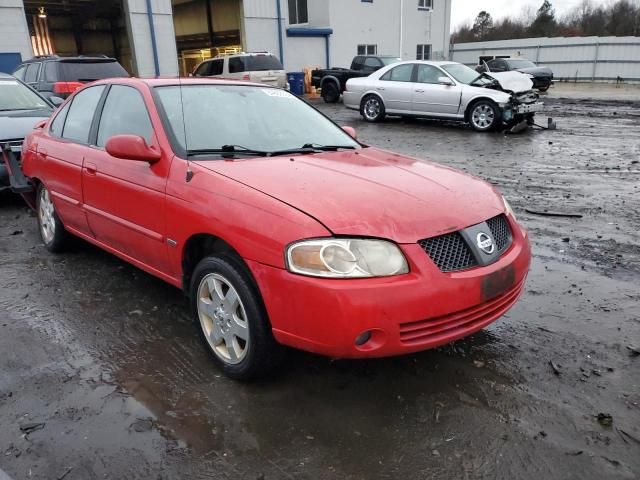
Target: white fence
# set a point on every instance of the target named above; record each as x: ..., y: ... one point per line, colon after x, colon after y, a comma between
x: 579, y: 59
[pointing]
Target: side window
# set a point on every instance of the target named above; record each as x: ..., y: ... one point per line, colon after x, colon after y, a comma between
x: 80, y: 116
x: 202, y: 70
x: 124, y: 113
x: 236, y: 65
x: 358, y: 62
x: 372, y: 63
x: 55, y: 128
x: 50, y: 71
x: 216, y: 67
x: 31, y: 75
x: 429, y: 74
x: 19, y: 73
x: 401, y: 73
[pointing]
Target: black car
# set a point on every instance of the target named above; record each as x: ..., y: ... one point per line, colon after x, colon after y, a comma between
x: 21, y: 108
x: 61, y: 76
x: 542, y: 76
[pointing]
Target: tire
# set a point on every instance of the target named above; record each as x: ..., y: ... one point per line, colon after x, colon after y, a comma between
x: 484, y: 116
x: 233, y: 321
x: 330, y: 92
x: 543, y: 89
x: 52, y: 232
x: 372, y: 109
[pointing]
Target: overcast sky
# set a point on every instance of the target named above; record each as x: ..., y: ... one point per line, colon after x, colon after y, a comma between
x: 466, y: 10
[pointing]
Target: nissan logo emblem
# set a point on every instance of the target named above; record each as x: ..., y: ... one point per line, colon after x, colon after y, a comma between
x: 485, y: 243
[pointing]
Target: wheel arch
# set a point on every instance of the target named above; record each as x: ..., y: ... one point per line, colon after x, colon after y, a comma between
x: 332, y: 79
x: 475, y: 100
x: 201, y: 245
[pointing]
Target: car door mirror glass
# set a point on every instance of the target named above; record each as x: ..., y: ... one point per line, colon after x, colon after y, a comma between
x: 131, y: 147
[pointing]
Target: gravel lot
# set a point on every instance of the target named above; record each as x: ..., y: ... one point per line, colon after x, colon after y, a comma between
x: 102, y: 374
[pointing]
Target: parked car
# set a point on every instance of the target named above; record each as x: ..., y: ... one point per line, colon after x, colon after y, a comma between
x: 21, y: 108
x: 542, y: 76
x: 261, y: 67
x: 279, y: 225
x: 333, y: 81
x: 444, y: 90
x: 52, y: 75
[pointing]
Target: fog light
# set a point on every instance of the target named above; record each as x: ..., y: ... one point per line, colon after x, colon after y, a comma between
x: 363, y: 338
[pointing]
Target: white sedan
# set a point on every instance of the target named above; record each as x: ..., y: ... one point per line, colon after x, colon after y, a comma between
x: 447, y: 91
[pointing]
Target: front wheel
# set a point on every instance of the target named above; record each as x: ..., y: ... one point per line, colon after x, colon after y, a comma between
x: 52, y: 232
x: 233, y: 321
x: 484, y: 116
x: 543, y: 89
x: 372, y: 108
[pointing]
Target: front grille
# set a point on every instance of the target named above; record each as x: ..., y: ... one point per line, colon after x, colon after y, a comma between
x: 501, y: 231
x: 449, y: 252
x: 446, y: 328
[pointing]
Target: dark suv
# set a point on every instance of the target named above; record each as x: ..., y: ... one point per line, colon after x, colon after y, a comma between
x: 61, y: 76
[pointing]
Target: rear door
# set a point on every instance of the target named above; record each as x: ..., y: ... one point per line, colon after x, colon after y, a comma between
x: 396, y: 87
x: 430, y: 97
x: 62, y: 152
x: 125, y: 199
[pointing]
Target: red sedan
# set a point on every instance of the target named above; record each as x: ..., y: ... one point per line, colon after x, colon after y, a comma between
x: 278, y: 224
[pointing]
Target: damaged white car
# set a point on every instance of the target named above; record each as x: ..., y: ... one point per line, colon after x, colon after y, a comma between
x: 447, y: 91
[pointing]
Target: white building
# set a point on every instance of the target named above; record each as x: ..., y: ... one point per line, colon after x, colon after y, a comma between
x: 152, y: 37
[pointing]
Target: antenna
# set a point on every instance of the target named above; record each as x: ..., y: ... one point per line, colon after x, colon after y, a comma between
x: 189, y: 175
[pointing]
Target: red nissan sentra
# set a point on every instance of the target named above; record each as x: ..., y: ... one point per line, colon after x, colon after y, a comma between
x: 278, y: 224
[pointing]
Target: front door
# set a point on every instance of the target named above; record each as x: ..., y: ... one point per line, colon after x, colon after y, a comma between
x: 125, y: 199
x: 396, y: 87
x: 431, y: 97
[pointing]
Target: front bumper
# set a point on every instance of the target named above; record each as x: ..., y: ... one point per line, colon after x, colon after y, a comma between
x: 525, y: 108
x: 421, y: 310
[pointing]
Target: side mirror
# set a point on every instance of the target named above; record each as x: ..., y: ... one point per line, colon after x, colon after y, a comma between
x: 57, y: 101
x: 131, y: 147
x: 351, y: 131
x: 445, y: 81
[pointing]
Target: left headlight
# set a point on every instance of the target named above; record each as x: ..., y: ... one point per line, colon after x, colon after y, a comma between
x: 346, y: 258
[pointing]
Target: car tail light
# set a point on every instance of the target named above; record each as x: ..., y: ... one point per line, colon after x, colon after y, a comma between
x: 246, y: 77
x: 66, y: 87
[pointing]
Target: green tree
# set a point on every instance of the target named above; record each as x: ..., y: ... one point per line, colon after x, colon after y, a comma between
x: 482, y: 25
x: 545, y: 24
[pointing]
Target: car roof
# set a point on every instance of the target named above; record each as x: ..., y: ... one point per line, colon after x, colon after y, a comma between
x: 176, y: 81
x: 77, y: 58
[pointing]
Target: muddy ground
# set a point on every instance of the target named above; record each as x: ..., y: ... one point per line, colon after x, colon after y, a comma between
x: 101, y: 362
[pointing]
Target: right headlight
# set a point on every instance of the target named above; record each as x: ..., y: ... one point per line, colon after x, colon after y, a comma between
x: 346, y: 258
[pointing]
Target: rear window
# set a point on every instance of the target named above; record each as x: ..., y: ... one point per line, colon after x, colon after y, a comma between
x: 254, y: 63
x: 89, y: 71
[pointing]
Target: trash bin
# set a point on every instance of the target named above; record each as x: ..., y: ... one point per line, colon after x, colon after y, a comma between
x: 296, y: 82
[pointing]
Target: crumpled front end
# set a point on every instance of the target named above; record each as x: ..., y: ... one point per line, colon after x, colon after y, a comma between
x: 521, y: 109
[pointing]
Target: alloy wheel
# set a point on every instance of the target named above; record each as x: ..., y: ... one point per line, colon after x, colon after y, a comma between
x: 223, y: 318
x: 372, y: 109
x: 46, y: 216
x: 482, y: 116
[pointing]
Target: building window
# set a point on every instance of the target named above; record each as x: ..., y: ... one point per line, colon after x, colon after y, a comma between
x: 367, y: 1
x: 425, y: 4
x: 298, y: 12
x: 367, y: 49
x: 424, y: 52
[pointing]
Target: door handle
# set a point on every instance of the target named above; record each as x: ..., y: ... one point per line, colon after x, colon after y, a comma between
x: 419, y: 91
x: 380, y: 88
x: 91, y: 168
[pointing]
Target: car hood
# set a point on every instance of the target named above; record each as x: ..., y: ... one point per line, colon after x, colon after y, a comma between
x: 18, y: 124
x: 537, y: 71
x: 515, y: 82
x: 370, y: 192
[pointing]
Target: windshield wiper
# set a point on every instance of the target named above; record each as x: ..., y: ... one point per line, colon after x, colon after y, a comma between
x: 227, y: 150
x: 328, y: 148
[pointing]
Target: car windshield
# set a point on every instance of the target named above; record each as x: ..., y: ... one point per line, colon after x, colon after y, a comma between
x: 389, y: 60
x: 15, y: 96
x: 461, y: 73
x: 210, y: 117
x: 521, y: 64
